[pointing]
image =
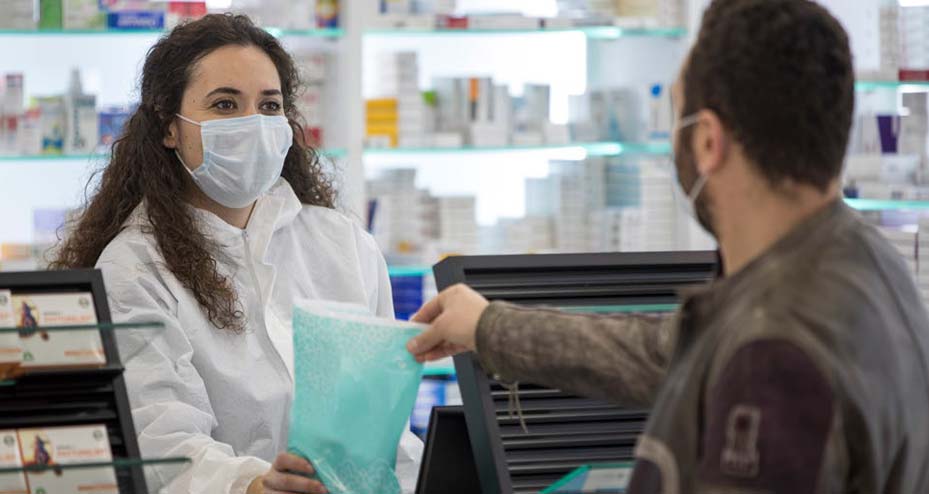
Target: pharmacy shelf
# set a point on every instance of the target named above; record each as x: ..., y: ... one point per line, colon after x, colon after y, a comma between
x: 84, y: 327
x: 278, y: 32
x: 887, y: 205
x: 334, y: 153
x: 592, y: 32
x: 409, y: 270
x: 117, y: 464
x: 911, y: 86
x: 591, y: 149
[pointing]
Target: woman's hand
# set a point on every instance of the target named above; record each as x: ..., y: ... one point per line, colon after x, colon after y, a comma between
x: 283, y: 478
x: 453, y: 317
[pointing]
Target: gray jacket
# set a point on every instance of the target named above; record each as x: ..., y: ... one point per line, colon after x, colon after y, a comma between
x: 806, y: 371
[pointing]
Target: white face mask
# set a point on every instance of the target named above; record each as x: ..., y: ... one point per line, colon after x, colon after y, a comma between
x: 242, y: 157
x: 687, y: 199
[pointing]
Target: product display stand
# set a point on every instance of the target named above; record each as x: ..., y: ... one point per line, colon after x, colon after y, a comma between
x: 563, y: 431
x: 74, y: 397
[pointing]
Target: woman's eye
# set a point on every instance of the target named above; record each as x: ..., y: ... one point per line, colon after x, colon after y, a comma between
x: 271, y: 106
x: 225, y: 104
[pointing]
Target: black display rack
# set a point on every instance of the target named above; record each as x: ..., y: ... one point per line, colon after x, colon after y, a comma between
x: 565, y: 431
x: 69, y: 397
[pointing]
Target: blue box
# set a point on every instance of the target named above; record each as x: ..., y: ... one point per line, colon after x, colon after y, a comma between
x: 141, y: 19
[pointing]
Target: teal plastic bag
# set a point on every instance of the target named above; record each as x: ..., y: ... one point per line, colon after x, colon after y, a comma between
x: 355, y: 387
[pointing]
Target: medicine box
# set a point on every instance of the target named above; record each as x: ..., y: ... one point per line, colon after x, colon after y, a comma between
x: 68, y: 446
x: 15, y: 482
x: 64, y: 348
x: 10, y: 349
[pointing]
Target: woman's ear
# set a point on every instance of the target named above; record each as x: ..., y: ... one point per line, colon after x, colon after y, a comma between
x: 170, y: 139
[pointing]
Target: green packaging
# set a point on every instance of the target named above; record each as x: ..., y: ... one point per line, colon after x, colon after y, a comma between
x: 50, y: 14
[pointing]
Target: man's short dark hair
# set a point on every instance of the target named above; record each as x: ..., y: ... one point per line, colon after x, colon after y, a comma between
x: 779, y: 75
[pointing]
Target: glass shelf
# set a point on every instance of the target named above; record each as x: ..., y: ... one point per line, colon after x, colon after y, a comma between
x: 886, y: 205
x: 329, y: 153
x: 409, y: 270
x: 52, y: 157
x: 117, y: 463
x: 277, y: 32
x: 593, y: 32
x: 591, y: 149
x: 621, y: 309
x: 911, y: 86
x: 84, y: 327
x: 440, y: 368
x: 438, y: 371
x: 575, y: 482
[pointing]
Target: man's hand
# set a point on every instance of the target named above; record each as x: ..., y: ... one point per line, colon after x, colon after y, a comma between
x: 287, y: 477
x: 453, y: 317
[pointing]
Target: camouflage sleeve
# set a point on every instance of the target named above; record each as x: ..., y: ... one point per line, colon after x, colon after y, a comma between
x: 619, y: 358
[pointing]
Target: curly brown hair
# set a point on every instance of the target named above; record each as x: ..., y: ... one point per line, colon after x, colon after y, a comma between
x: 142, y: 169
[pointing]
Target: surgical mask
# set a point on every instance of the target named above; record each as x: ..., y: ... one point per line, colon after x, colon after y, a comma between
x: 242, y: 157
x: 687, y: 199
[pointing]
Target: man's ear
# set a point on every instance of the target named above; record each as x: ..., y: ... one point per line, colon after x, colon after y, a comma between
x: 710, y: 142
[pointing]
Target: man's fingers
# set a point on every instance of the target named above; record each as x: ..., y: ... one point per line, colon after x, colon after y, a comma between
x: 445, y: 350
x: 425, y: 342
x: 429, y: 311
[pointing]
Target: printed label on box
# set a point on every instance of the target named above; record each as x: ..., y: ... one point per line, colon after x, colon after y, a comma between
x: 10, y: 348
x: 58, y: 348
x: 11, y: 483
x: 67, y: 446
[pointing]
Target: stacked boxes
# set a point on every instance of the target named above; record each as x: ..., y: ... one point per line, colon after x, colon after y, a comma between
x: 532, y: 234
x: 627, y: 13
x: 406, y: 221
x: 659, y: 209
x: 458, y: 231
x: 400, y: 73
x: 571, y: 209
x: 314, y: 70
x: 607, y: 115
x: 398, y: 213
x: 913, y: 25
x: 459, y: 111
x: 19, y: 14
x: 381, y: 122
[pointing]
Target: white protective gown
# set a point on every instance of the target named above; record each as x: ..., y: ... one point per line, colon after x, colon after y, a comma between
x: 221, y: 398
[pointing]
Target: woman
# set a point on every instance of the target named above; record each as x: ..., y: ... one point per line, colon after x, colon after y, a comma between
x: 213, y: 216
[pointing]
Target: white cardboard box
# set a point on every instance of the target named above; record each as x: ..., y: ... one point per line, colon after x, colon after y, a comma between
x: 10, y: 348
x: 64, y: 446
x: 58, y: 348
x: 11, y: 483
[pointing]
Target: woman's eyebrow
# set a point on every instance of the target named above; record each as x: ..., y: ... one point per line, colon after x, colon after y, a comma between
x: 272, y: 92
x: 224, y: 90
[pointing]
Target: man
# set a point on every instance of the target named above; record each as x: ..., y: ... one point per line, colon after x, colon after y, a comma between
x: 804, y: 369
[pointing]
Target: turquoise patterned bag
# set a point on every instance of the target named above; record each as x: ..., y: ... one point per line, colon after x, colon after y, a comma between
x: 355, y: 387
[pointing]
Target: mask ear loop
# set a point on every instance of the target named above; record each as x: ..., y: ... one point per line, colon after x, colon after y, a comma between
x: 176, y: 153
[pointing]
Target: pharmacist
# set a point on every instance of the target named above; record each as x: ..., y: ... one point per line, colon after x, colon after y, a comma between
x: 804, y: 369
x: 212, y: 216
